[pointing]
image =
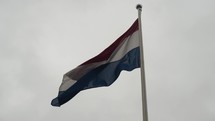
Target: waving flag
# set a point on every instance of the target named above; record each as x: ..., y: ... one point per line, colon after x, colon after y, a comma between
x: 103, y: 69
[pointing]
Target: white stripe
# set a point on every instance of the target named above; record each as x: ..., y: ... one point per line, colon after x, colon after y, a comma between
x: 66, y: 83
x: 72, y: 76
x: 130, y: 43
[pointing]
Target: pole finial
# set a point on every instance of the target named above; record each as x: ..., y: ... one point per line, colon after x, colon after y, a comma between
x: 139, y: 7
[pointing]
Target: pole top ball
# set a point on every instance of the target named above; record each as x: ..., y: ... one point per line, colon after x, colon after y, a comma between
x: 139, y: 6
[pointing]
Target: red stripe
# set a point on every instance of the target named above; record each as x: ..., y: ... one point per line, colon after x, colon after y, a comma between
x: 104, y: 55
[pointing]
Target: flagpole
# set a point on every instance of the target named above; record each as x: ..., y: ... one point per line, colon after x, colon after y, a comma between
x: 142, y: 69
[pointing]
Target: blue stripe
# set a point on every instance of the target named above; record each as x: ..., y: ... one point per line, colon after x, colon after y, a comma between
x: 103, y: 75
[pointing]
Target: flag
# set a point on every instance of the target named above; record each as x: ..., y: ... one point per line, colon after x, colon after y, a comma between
x: 103, y: 69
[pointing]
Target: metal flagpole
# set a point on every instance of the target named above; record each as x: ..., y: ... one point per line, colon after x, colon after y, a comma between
x: 142, y: 69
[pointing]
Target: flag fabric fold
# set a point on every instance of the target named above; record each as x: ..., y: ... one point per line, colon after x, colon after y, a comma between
x: 103, y: 69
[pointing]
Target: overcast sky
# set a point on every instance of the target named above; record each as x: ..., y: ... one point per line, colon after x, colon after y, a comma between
x: 40, y: 40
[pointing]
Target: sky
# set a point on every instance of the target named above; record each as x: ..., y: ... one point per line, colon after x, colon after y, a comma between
x: 40, y: 40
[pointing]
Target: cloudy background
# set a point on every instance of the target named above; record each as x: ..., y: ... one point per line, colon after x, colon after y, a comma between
x: 40, y: 40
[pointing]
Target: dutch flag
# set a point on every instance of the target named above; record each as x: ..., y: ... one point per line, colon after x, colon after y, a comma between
x: 103, y: 69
